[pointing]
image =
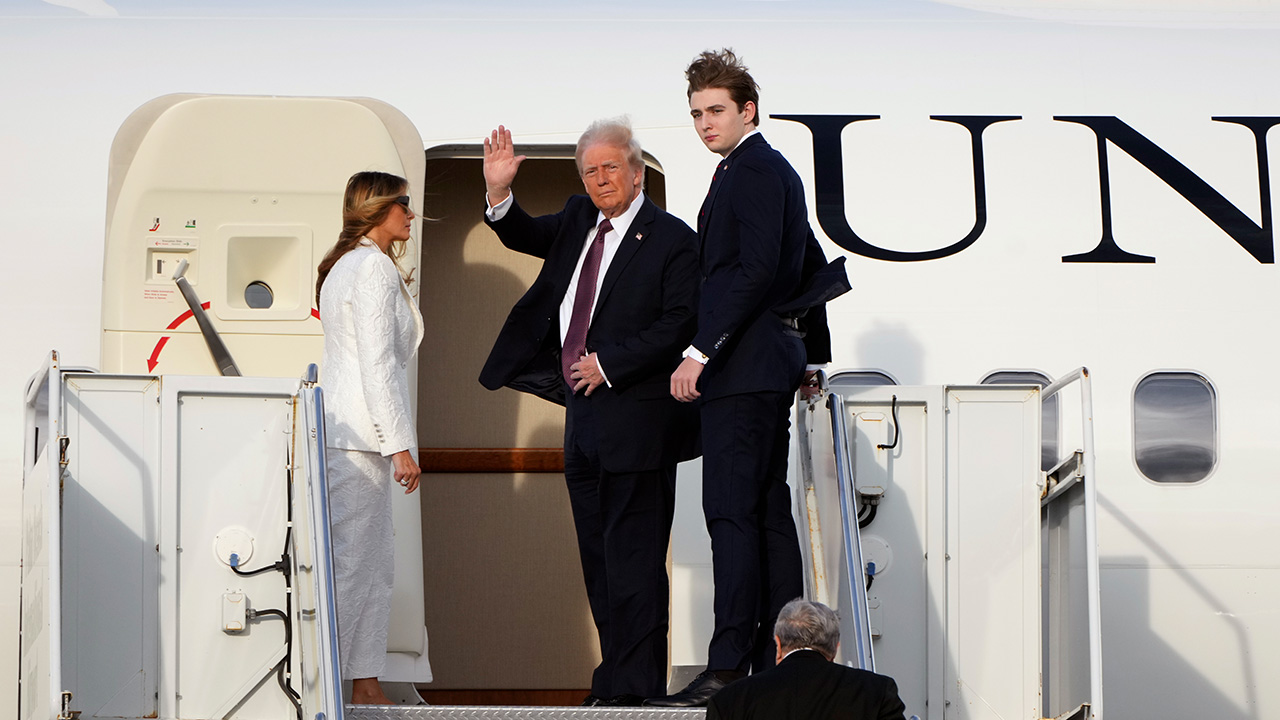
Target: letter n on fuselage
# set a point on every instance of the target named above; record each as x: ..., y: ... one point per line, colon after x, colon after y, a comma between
x: 1254, y: 238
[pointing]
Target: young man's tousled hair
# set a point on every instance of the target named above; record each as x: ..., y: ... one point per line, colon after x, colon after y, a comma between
x: 723, y: 69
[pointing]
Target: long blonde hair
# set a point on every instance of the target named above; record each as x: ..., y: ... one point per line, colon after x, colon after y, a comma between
x: 365, y: 205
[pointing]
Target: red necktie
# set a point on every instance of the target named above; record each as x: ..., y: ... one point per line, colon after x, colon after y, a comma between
x: 575, y: 338
x: 702, y: 214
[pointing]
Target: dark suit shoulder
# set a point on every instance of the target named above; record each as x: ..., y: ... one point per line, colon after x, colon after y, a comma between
x: 806, y: 685
x: 579, y: 209
x: 650, y: 212
x: 665, y: 218
x: 669, y: 224
x: 793, y: 671
x: 762, y: 157
x: 664, y: 226
x: 579, y: 203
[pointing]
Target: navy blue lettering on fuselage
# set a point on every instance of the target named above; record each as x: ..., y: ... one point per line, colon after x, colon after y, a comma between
x: 1255, y: 238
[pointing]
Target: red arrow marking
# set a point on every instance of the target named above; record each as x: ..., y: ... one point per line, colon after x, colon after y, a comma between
x: 184, y: 317
x: 155, y: 354
x: 181, y: 318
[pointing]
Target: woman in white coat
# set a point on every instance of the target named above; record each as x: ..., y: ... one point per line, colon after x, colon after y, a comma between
x: 372, y: 330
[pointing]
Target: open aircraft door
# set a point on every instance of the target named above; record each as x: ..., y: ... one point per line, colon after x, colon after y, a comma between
x: 959, y: 566
x: 248, y: 191
x: 139, y: 477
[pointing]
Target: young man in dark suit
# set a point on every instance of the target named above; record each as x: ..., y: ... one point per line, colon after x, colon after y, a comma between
x: 806, y: 684
x: 600, y: 332
x: 761, y: 333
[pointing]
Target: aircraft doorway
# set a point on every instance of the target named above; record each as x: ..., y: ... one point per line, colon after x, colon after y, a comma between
x: 505, y: 603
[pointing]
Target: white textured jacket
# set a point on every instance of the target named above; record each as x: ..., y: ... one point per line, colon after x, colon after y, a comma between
x: 372, y: 329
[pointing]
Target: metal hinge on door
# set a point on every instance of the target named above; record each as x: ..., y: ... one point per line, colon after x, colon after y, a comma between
x: 66, y: 713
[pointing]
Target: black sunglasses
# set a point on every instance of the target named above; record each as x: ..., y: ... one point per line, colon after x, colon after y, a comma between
x: 404, y: 200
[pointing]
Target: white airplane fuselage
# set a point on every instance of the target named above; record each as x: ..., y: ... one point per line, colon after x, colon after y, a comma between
x: 1120, y: 217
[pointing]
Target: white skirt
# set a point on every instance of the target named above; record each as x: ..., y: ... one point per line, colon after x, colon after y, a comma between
x: 363, y: 556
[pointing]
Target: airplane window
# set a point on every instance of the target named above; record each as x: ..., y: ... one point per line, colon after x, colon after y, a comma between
x: 866, y: 378
x: 1175, y: 427
x: 1049, y: 415
x: 258, y: 295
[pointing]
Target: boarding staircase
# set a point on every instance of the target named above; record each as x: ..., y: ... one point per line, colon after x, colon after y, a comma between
x: 176, y: 555
x: 919, y: 506
x: 172, y: 523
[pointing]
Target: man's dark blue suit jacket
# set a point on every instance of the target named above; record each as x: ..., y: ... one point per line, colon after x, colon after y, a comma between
x: 762, y: 266
x: 806, y: 686
x: 643, y: 321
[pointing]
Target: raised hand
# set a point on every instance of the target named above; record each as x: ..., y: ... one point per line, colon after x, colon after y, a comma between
x: 500, y: 164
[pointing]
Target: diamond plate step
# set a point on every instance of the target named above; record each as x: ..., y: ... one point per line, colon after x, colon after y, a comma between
x: 474, y: 712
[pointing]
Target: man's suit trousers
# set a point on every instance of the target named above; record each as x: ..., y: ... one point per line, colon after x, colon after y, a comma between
x: 747, y: 503
x: 623, y: 522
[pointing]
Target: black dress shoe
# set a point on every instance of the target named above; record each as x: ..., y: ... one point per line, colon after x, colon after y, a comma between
x: 592, y: 701
x: 695, y: 694
x: 624, y: 700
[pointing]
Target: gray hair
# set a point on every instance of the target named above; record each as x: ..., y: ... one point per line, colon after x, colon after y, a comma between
x: 615, y: 132
x: 805, y: 624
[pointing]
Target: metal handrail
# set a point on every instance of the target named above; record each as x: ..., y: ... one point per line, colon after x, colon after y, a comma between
x: 323, y: 539
x: 813, y: 551
x: 50, y: 376
x: 1081, y: 375
x: 41, y: 376
x: 863, y: 654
